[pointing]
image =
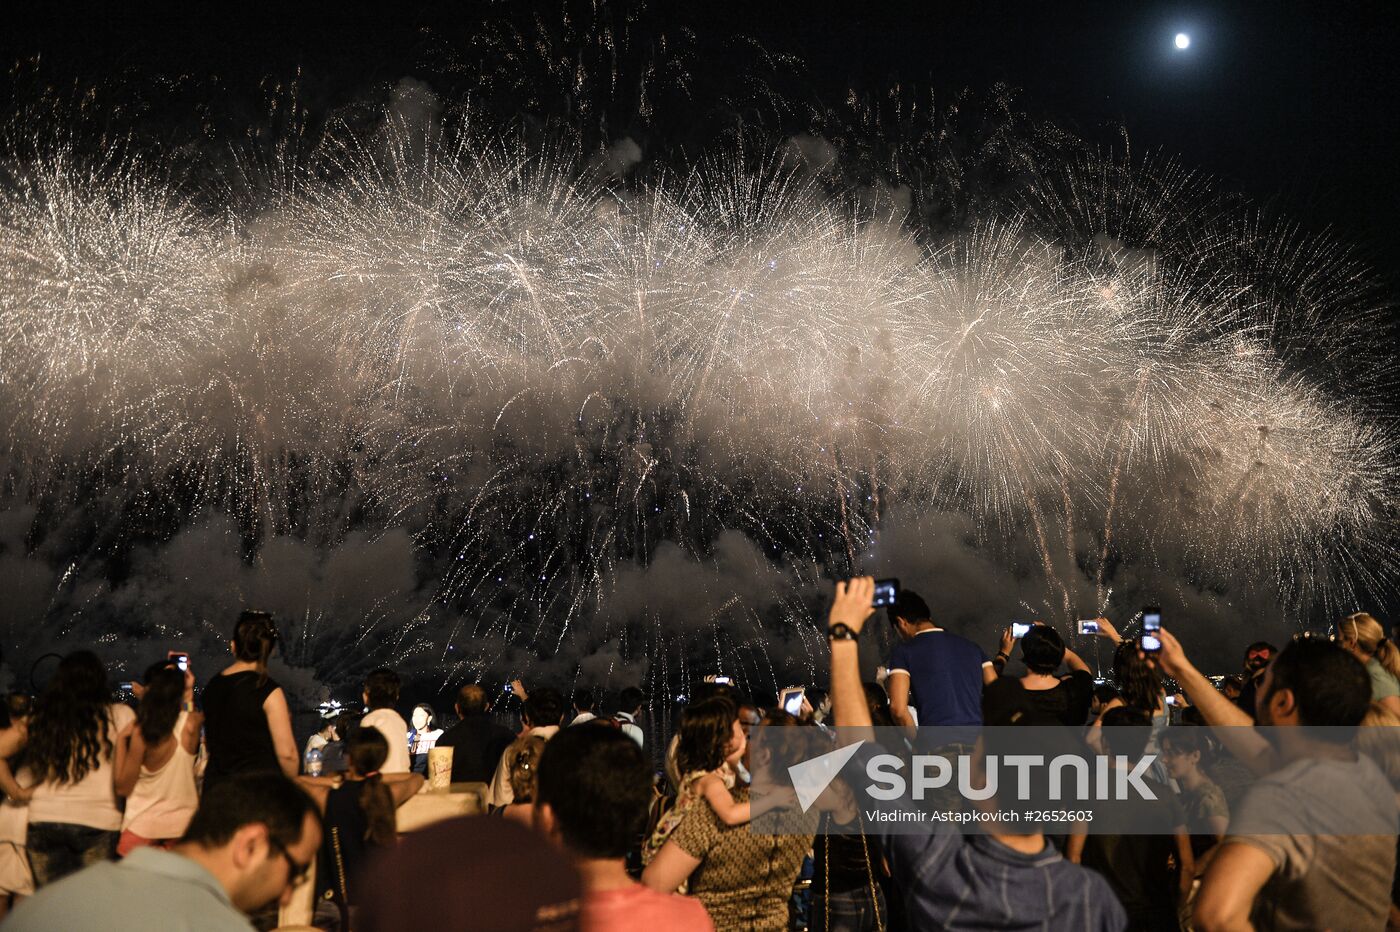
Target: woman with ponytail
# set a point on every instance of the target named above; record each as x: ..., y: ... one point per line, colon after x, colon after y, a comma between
x: 358, y: 816
x: 247, y: 726
x: 1364, y: 638
x: 155, y: 760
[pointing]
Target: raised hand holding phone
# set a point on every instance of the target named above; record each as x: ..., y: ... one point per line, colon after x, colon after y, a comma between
x: 852, y: 604
x: 1150, y: 642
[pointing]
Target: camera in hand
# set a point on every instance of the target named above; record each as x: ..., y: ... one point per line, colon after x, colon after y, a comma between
x: 1151, y: 624
x: 886, y: 591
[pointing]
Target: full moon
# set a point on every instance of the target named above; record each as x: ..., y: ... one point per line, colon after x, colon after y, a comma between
x: 1182, y: 40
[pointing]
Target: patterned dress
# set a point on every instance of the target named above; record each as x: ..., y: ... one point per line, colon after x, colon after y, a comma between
x: 745, y: 878
x: 687, y: 797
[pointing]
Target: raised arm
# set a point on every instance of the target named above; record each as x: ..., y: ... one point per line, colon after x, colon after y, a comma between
x: 851, y: 607
x: 1076, y: 663
x: 1234, y: 728
x: 279, y: 722
x: 1106, y: 630
x: 1003, y: 656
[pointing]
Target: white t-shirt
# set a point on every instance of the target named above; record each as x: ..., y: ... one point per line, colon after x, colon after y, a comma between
x: 92, y: 801
x: 631, y: 729
x: 395, y: 730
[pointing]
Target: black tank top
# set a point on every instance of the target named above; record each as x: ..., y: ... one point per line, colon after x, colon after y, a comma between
x: 235, y: 727
x: 344, y: 848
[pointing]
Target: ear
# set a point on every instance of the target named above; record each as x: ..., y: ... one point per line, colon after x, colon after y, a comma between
x: 1283, y: 705
x: 233, y: 648
x: 249, y: 846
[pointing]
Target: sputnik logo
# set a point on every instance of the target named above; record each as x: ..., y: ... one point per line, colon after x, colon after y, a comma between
x: 811, y: 777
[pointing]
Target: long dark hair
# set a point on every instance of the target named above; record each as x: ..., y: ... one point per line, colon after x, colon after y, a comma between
x: 706, y: 729
x: 254, y: 637
x: 1138, y: 683
x: 68, y: 734
x: 160, y: 703
x: 366, y: 750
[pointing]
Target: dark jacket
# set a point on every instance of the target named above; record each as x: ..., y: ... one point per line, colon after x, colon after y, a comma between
x: 477, y: 744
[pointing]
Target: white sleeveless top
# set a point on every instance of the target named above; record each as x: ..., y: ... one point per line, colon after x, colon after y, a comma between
x: 164, y: 800
x: 92, y: 801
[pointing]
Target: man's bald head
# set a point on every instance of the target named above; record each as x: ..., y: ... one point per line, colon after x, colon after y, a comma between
x: 471, y: 700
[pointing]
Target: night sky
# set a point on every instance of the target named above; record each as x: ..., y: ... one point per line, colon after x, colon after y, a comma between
x: 1284, y: 100
x: 1290, y: 105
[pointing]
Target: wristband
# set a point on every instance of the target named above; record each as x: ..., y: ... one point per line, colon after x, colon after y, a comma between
x: 842, y: 632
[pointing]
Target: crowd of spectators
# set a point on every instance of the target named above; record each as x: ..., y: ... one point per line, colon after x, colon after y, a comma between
x: 192, y: 810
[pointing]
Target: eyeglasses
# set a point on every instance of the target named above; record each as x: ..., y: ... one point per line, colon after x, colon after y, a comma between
x: 296, y: 873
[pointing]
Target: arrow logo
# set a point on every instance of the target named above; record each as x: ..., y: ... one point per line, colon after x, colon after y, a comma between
x: 811, y: 777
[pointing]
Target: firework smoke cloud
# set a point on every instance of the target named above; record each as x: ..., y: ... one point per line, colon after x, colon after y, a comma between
x: 470, y: 406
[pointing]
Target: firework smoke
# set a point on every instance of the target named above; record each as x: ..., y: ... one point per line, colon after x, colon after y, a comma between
x: 459, y: 405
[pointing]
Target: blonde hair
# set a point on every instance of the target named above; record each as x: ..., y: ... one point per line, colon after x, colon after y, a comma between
x: 1370, y: 639
x: 1380, y: 743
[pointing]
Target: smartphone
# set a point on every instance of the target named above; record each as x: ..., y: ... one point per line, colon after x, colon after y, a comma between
x: 182, y: 660
x: 886, y: 591
x: 1019, y: 629
x: 1089, y: 626
x: 791, y: 700
x: 719, y: 679
x: 509, y: 689
x: 125, y: 686
x: 1171, y: 700
x: 1151, y: 624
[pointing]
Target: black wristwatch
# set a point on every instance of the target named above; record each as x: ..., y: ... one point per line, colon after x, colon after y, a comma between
x: 842, y: 632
